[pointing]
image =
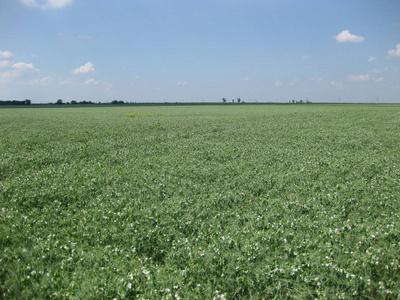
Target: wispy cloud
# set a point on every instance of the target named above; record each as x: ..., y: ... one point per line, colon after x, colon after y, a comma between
x: 21, y: 66
x: 304, y: 57
x: 394, y: 52
x: 44, y: 82
x: 365, y: 77
x: 371, y: 58
x: 278, y: 83
x: 14, y: 70
x: 86, y: 68
x: 336, y: 83
x: 46, y: 3
x: 6, y: 64
x: 91, y: 81
x: 5, y: 54
x: 346, y: 36
x: 183, y: 83
x: 66, y: 82
x: 245, y: 78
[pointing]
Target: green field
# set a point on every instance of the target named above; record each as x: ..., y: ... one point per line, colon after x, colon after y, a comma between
x: 200, y: 202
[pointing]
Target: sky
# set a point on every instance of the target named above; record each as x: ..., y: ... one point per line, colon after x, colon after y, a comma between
x: 200, y: 50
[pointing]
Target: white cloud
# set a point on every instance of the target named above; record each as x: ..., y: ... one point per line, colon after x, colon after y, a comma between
x: 346, y: 36
x: 91, y: 81
x: 365, y: 77
x: 6, y: 64
x: 183, y: 83
x: 304, y: 57
x: 395, y: 52
x: 245, y: 78
x: 66, y: 82
x: 22, y: 67
x: 29, y: 2
x: 137, y: 77
x: 46, y: 3
x: 14, y: 70
x: 44, y: 81
x: 58, y: 3
x: 371, y: 58
x: 5, y: 54
x: 6, y: 76
x: 86, y: 68
x: 278, y: 83
x: 293, y: 82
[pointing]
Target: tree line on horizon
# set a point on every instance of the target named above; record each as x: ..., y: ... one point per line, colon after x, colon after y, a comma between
x: 58, y: 102
x: 15, y: 102
x: 74, y: 102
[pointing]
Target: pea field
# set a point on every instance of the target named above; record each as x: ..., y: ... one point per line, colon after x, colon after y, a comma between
x: 200, y: 202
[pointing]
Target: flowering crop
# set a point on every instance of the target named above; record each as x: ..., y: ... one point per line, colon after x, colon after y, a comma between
x: 200, y: 202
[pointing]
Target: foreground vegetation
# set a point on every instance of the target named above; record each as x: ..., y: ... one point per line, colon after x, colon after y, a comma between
x: 200, y: 202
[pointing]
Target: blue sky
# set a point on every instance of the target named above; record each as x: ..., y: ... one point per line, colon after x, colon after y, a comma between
x: 200, y: 50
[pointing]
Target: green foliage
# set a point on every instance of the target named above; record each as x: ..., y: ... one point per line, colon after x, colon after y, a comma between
x: 143, y: 115
x: 202, y: 202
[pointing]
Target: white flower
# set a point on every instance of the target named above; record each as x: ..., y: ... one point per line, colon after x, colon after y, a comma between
x: 145, y: 272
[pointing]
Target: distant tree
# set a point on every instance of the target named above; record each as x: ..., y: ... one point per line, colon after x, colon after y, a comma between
x: 27, y: 102
x: 117, y: 102
x: 223, y: 100
x: 74, y: 102
x: 59, y: 101
x: 238, y: 100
